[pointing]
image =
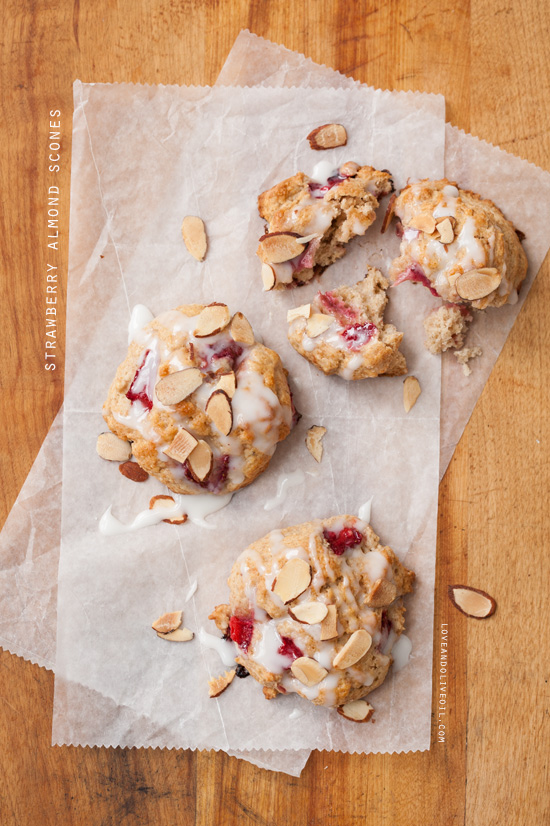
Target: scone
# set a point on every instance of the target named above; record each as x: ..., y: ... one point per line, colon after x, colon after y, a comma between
x: 446, y: 328
x: 315, y: 609
x: 203, y: 403
x: 458, y: 245
x: 343, y: 331
x: 308, y: 223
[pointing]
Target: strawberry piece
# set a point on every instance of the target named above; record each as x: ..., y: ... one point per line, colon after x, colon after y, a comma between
x: 334, y: 305
x: 346, y: 538
x: 241, y: 630
x: 288, y: 648
x: 357, y: 335
x: 414, y: 273
x: 140, y: 382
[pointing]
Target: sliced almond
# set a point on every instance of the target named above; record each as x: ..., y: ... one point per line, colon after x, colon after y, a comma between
x: 423, y: 222
x: 328, y: 136
x: 292, y: 580
x: 112, y: 448
x: 218, y: 408
x: 357, y: 710
x: 309, y: 613
x: 389, y: 213
x: 168, y: 622
x: 217, y: 685
x: 314, y: 441
x: 181, y: 635
x: 194, y: 236
x: 200, y: 461
x: 181, y: 446
x: 317, y: 324
x: 355, y: 648
x: 268, y: 277
x: 477, y: 284
x: 472, y: 601
x: 175, y: 387
x: 349, y: 169
x: 132, y: 471
x: 382, y: 593
x: 305, y: 239
x: 240, y: 330
x: 162, y: 501
x: 299, y: 312
x: 308, y: 671
x: 411, y: 392
x: 227, y: 383
x: 446, y: 231
x: 329, y: 626
x: 276, y: 247
x: 213, y: 319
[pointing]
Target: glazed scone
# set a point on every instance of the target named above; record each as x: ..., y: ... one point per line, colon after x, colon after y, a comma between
x: 343, y: 332
x: 216, y: 443
x: 458, y: 245
x: 325, y: 214
x: 322, y: 598
x: 446, y: 328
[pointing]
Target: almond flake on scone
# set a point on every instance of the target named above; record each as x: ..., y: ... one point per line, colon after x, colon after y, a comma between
x: 458, y: 245
x: 345, y: 333
x: 309, y: 222
x: 225, y: 402
x: 446, y: 328
x: 327, y: 630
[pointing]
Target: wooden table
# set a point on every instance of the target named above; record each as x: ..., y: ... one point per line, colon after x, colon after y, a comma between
x: 490, y: 60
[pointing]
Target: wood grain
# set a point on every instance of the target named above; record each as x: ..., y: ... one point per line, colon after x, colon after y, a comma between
x: 490, y: 59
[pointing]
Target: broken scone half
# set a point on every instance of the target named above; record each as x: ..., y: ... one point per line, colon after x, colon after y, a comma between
x: 343, y: 332
x: 309, y: 222
x: 315, y: 609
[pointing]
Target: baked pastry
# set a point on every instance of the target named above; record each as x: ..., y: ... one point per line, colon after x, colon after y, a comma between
x: 343, y: 331
x: 315, y: 609
x: 203, y: 403
x: 458, y: 245
x: 446, y: 328
x: 308, y: 223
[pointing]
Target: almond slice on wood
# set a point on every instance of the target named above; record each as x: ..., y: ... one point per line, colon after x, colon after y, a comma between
x: 213, y: 319
x: 423, y: 222
x: 357, y: 710
x: 317, y: 324
x: 292, y: 580
x: 277, y: 247
x: 477, y: 284
x: 217, y: 685
x: 227, y: 383
x: 218, y: 408
x: 389, y: 213
x: 175, y: 387
x: 194, y: 236
x: 240, y: 330
x: 299, y: 312
x: 328, y: 136
x: 132, y: 471
x: 181, y: 446
x: 314, y: 441
x: 181, y: 635
x: 168, y: 622
x: 164, y: 501
x: 200, y: 461
x: 446, y: 231
x: 268, y: 277
x: 309, y: 613
x: 329, y: 626
x: 382, y: 593
x: 411, y: 392
x: 472, y: 601
x: 112, y: 448
x: 355, y: 648
x: 308, y: 671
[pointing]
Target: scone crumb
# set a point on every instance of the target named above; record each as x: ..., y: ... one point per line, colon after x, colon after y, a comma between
x: 463, y: 357
x: 220, y: 615
x: 445, y: 328
x: 217, y: 685
x: 314, y: 441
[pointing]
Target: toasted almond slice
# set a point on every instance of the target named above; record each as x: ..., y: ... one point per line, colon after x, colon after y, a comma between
x: 308, y: 671
x: 349, y: 169
x: 292, y: 580
x: 212, y: 320
x: 181, y: 635
x: 477, y: 284
x: 329, y: 626
x: 175, y: 387
x: 163, y: 501
x: 227, y: 383
x: 217, y: 685
x: 168, y: 622
x: 355, y: 648
x: 240, y: 330
x: 382, y: 593
x: 299, y: 312
x: 181, y: 446
x: 305, y: 239
x: 328, y: 136
x: 317, y: 324
x: 411, y: 392
x: 218, y: 408
x: 423, y: 222
x: 112, y: 448
x: 200, y: 461
x: 132, y: 471
x: 314, y: 441
x: 194, y: 236
x: 268, y: 277
x: 309, y: 613
x: 472, y: 601
x: 446, y: 231
x: 389, y: 213
x: 357, y: 710
x: 276, y: 247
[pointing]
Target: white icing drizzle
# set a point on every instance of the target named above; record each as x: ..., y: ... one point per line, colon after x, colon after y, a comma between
x: 197, y: 509
x: 323, y: 170
x: 224, y: 648
x: 139, y: 317
x: 285, y: 482
x: 401, y: 652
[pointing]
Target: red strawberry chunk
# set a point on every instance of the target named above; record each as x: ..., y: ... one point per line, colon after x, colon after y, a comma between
x: 140, y: 383
x: 357, y: 335
x: 346, y: 538
x: 288, y: 648
x: 415, y: 273
x: 241, y: 630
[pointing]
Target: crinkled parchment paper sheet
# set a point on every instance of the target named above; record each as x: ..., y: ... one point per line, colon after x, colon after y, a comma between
x: 143, y: 158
